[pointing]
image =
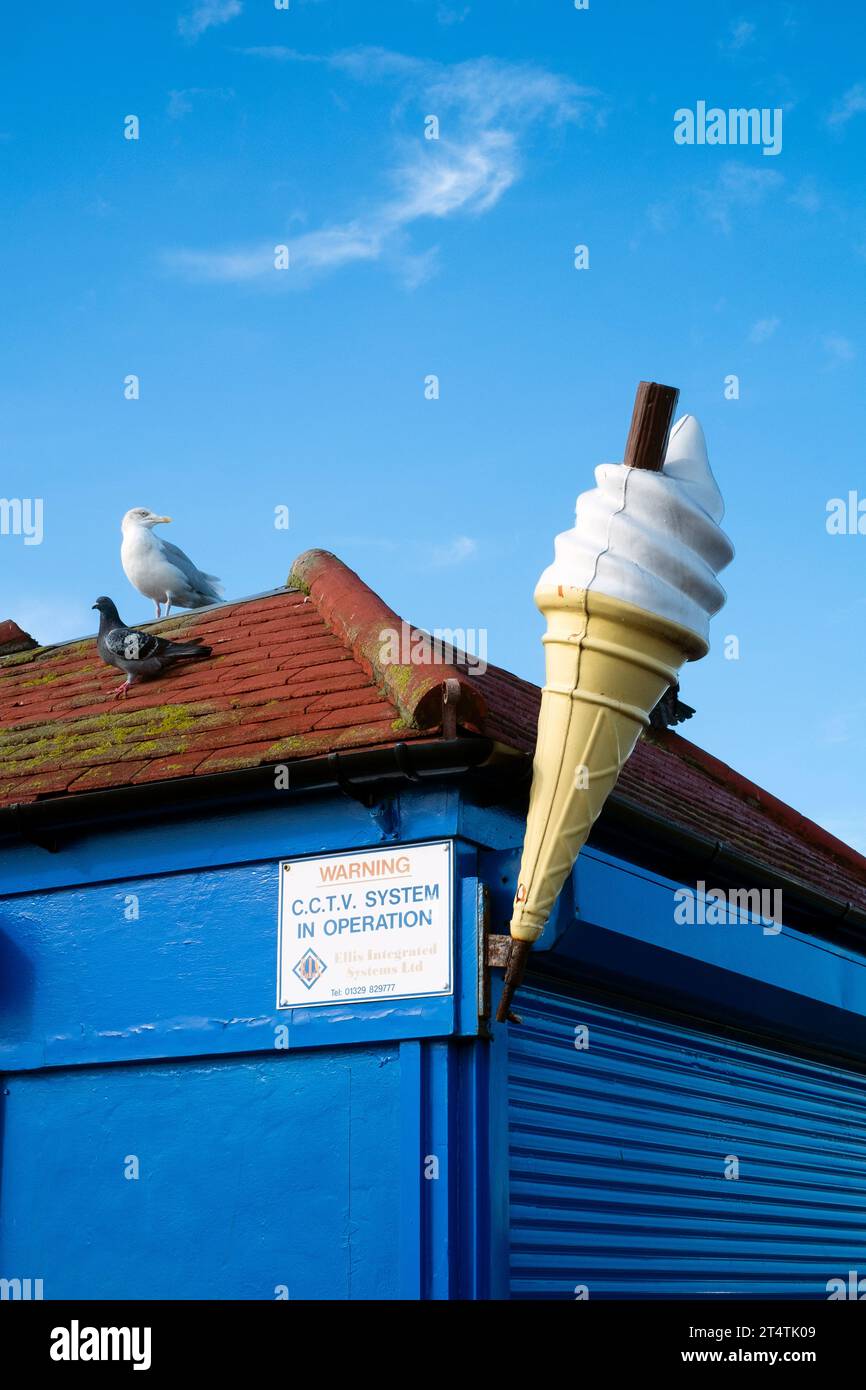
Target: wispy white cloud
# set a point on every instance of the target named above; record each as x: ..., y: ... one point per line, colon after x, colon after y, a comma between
x: 662, y: 215
x: 835, y: 728
x: 207, y: 15
x: 763, y: 330
x: 454, y: 553
x: 852, y: 103
x: 806, y: 196
x: 448, y: 14
x: 791, y: 19
x: 419, y: 554
x: 838, y: 349
x: 485, y: 110
x: 181, y: 102
x: 740, y: 34
x: 738, y: 186
x: 329, y: 248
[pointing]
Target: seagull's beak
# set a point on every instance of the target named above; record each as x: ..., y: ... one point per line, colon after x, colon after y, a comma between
x: 158, y: 520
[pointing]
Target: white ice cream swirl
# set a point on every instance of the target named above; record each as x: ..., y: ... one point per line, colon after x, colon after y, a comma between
x: 651, y: 539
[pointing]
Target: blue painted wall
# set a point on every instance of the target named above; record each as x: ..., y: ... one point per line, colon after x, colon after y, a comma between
x: 271, y: 1151
x: 195, y: 971
x: 253, y: 1173
x: 352, y: 1152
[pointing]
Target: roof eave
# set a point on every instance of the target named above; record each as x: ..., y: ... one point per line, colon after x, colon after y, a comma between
x: 361, y: 773
x: 625, y: 828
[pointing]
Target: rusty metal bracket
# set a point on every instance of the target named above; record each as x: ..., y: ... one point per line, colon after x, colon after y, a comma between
x: 493, y: 950
x: 497, y: 951
x: 450, y: 701
x: 501, y: 953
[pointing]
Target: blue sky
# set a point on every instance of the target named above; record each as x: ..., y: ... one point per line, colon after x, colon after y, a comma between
x: 412, y: 257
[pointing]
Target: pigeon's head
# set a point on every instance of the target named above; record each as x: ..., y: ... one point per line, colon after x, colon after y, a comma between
x: 107, y: 607
x: 142, y: 516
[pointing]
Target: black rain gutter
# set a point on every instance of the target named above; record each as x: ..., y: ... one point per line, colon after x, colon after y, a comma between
x: 363, y: 774
x: 638, y: 834
x: 645, y: 836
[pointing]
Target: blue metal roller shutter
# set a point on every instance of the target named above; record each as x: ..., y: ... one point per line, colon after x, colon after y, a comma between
x: 618, y: 1156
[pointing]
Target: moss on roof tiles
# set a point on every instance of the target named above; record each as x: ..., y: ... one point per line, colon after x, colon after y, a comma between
x: 21, y: 658
x: 37, y: 786
x: 401, y: 675
x: 24, y: 749
x: 83, y: 648
x: 296, y: 584
x: 296, y: 743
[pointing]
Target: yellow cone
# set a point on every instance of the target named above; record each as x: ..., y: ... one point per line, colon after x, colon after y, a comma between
x: 608, y: 664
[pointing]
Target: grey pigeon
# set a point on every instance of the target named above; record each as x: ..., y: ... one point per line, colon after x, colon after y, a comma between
x: 159, y: 570
x: 670, y: 710
x: 142, y: 655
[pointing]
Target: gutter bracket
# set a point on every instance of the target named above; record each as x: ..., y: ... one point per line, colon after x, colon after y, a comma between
x: 383, y: 809
x: 345, y: 784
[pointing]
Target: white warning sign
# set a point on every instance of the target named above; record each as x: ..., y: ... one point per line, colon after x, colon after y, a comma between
x: 366, y: 926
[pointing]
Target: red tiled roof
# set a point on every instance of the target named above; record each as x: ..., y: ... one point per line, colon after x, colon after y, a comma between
x: 681, y: 783
x: 688, y: 787
x: 13, y: 639
x: 299, y: 672
x: 293, y: 673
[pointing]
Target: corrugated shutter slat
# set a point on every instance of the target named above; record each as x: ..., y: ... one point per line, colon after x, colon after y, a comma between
x: 618, y: 1156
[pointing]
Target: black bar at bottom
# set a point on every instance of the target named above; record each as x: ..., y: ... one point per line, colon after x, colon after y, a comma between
x: 227, y: 1338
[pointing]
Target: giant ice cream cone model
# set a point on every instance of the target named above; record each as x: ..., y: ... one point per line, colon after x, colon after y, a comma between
x: 627, y: 601
x: 608, y: 665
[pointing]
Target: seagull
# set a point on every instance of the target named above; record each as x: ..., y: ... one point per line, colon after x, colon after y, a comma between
x: 160, y: 570
x: 142, y: 655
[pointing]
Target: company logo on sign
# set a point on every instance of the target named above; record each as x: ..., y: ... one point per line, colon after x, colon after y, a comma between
x: 309, y: 968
